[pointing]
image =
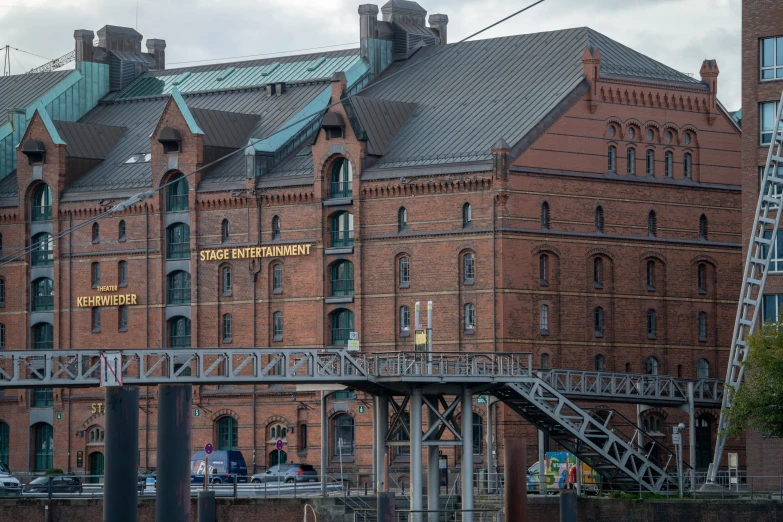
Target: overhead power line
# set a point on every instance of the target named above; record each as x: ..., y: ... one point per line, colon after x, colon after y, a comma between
x: 142, y: 196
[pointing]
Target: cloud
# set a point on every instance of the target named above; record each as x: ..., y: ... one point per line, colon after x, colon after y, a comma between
x: 679, y: 33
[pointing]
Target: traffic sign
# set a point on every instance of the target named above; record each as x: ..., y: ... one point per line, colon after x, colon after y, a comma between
x: 59, y: 415
x: 353, y: 336
x: 482, y: 399
x: 111, y: 369
x: 197, y: 413
x: 279, y: 444
x: 675, y: 438
x: 208, y: 448
x: 361, y: 408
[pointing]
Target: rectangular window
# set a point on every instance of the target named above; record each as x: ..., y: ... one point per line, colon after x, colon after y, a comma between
x: 767, y: 113
x: 469, y: 268
x: 2, y: 292
x: 771, y: 58
x: 96, y: 319
x: 226, y: 281
x: 544, y: 319
x: 772, y: 307
x: 405, y: 274
x: 227, y: 328
x: 302, y: 437
x: 2, y: 336
x: 43, y: 398
x: 405, y: 319
x: 123, y: 319
x: 96, y: 274
x: 470, y: 317
x: 776, y: 260
x: 122, y: 278
x: 702, y: 326
x: 277, y: 326
x: 277, y: 279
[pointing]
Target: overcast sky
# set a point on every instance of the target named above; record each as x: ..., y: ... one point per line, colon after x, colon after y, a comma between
x: 679, y: 33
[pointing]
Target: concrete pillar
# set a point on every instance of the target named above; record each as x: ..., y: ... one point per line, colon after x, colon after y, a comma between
x: 490, y: 445
x: 121, y: 450
x: 541, y: 468
x: 433, y: 469
x: 382, y: 423
x: 467, y: 454
x: 417, y: 488
x: 172, y: 499
x: 207, y: 511
x: 374, y: 441
x: 324, y: 443
x: 515, y: 493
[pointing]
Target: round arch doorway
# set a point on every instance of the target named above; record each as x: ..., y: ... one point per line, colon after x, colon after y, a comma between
x: 96, y: 467
x: 277, y: 457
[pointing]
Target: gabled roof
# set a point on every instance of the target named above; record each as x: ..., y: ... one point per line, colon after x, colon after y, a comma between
x: 24, y: 89
x: 381, y: 120
x: 472, y: 93
x: 225, y: 129
x: 88, y: 141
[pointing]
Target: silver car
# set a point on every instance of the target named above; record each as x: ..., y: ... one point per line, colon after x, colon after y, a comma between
x: 287, y: 473
x: 9, y: 485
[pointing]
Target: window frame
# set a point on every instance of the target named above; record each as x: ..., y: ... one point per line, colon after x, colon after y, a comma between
x: 277, y: 278
x: 703, y: 228
x: 700, y: 373
x: 612, y: 159
x: 701, y: 278
x: 96, y: 319
x: 650, y: 272
x: 598, y: 272
x: 775, y: 68
x: 122, y: 318
x: 687, y: 165
x: 122, y: 273
x: 652, y: 324
x: 42, y: 256
x: 95, y: 274
x: 227, y: 328
x: 276, y: 228
x: 277, y: 325
x: 652, y: 224
x: 122, y: 231
x: 178, y: 249
x: 650, y: 162
x: 348, y: 426
x: 467, y: 215
x: 630, y: 158
x: 402, y: 220
x: 226, y: 280
x: 765, y: 136
x: 405, y: 271
x: 469, y: 318
x: 543, y: 319
x: 668, y: 163
x: 545, y: 223
x: 225, y: 231
x: 96, y: 233
x: 543, y: 269
x: 598, y: 362
x: 599, y: 326
x: 702, y: 326
x: 468, y: 268
x: 651, y: 365
x: 405, y: 320
x: 42, y: 302
x: 599, y: 219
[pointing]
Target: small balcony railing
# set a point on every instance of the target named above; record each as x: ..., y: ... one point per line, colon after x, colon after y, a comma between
x: 177, y: 203
x: 45, y: 344
x: 180, y: 341
x: 42, y: 303
x: 341, y: 189
x: 341, y: 335
x: 42, y: 212
x: 178, y: 251
x: 178, y: 296
x: 342, y: 238
x: 42, y: 257
x: 342, y: 287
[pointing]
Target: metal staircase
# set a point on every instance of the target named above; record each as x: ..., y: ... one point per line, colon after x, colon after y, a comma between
x: 612, y: 445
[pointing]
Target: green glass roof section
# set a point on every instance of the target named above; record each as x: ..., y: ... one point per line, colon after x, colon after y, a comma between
x: 156, y: 84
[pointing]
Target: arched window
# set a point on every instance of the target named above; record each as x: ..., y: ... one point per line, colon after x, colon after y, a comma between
x: 668, y: 163
x: 653, y: 424
x: 178, y: 288
x: 277, y: 326
x: 478, y: 434
x: 598, y: 272
x: 405, y: 272
x: 342, y: 278
x: 2, y: 335
x: 177, y: 194
x: 467, y: 215
x: 543, y: 316
x: 650, y: 162
x: 701, y: 278
x: 342, y: 326
x: 5, y: 438
x: 687, y: 164
x: 468, y: 267
x: 96, y: 233
x: 631, y: 158
x: 228, y: 328
x: 227, y: 433
x: 703, y: 369
x: 543, y: 269
x: 2, y: 292
x: 703, y: 228
x: 405, y: 319
x: 179, y: 332
x: 599, y: 363
x: 544, y: 361
x: 342, y: 230
x: 226, y: 280
x: 402, y: 219
x: 612, y: 157
x: 42, y: 295
x: 225, y: 231
x: 652, y: 224
x: 277, y: 432
x: 122, y: 232
x: 96, y: 319
x: 43, y: 336
x: 341, y: 179
x: 651, y: 326
x: 96, y: 435
x: 599, y: 219
x: 95, y: 274
x: 631, y: 133
x: 702, y: 326
x: 611, y: 131
x: 470, y: 317
x: 42, y: 203
x: 650, y: 275
x: 598, y: 321
x: 275, y: 228
x: 651, y: 366
x: 545, y: 215
x: 277, y: 278
x: 344, y: 437
x: 42, y: 253
x: 178, y: 241
x: 122, y: 273
x: 122, y: 319
x: 43, y: 446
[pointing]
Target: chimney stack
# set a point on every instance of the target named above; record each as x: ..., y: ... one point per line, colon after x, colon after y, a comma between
x: 157, y: 48
x: 439, y: 23
x: 368, y: 22
x: 84, y: 48
x: 115, y: 38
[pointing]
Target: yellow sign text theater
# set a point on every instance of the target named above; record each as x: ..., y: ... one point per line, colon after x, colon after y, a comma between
x: 221, y: 254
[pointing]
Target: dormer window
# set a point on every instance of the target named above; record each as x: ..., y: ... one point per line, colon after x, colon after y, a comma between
x: 141, y: 157
x: 334, y: 125
x: 35, y: 152
x: 171, y: 140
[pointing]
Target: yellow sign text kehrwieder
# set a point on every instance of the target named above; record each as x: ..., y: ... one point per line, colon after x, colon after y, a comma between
x: 106, y: 300
x: 222, y: 254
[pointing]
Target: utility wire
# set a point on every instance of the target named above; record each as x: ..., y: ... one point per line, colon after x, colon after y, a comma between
x: 265, y: 54
x: 142, y: 196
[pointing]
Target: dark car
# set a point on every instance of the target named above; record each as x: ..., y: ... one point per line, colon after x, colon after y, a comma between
x: 60, y: 484
x: 287, y: 473
x: 223, y: 466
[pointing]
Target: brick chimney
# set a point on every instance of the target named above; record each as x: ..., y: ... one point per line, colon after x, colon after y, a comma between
x: 439, y: 23
x: 116, y: 38
x: 157, y: 48
x: 709, y: 74
x: 84, y: 48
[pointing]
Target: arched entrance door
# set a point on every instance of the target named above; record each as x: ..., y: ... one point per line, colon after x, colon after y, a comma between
x: 96, y: 466
x: 703, y: 443
x: 277, y: 457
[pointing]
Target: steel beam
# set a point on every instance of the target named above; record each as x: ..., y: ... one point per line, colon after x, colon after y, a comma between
x: 324, y: 443
x: 467, y: 455
x: 120, y: 490
x: 172, y: 499
x: 433, y: 468
x: 382, y: 414
x: 417, y: 493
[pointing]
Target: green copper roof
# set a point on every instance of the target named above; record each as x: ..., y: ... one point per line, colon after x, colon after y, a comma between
x: 232, y: 76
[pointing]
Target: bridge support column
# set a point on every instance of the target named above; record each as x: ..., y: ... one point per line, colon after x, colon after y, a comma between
x: 120, y: 502
x: 467, y: 454
x: 172, y: 499
x: 490, y: 447
x: 541, y: 468
x: 382, y: 425
x: 433, y: 468
x: 324, y: 443
x: 417, y: 489
x: 692, y: 436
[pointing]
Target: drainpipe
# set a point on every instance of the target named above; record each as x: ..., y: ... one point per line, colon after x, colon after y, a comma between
x: 254, y: 276
x: 147, y: 333
x: 494, y: 283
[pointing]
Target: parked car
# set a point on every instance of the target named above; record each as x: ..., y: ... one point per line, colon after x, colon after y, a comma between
x: 287, y: 473
x: 147, y: 478
x: 223, y: 465
x: 9, y: 485
x: 60, y: 484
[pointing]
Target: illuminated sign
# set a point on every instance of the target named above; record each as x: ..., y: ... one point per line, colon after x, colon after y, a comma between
x: 106, y: 300
x: 222, y: 254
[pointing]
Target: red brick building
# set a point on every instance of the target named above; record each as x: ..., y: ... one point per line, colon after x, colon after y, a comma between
x: 555, y: 193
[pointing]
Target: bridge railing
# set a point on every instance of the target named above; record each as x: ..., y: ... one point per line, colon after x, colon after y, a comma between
x: 452, y: 364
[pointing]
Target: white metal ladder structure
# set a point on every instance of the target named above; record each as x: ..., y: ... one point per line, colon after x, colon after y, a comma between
x: 764, y: 232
